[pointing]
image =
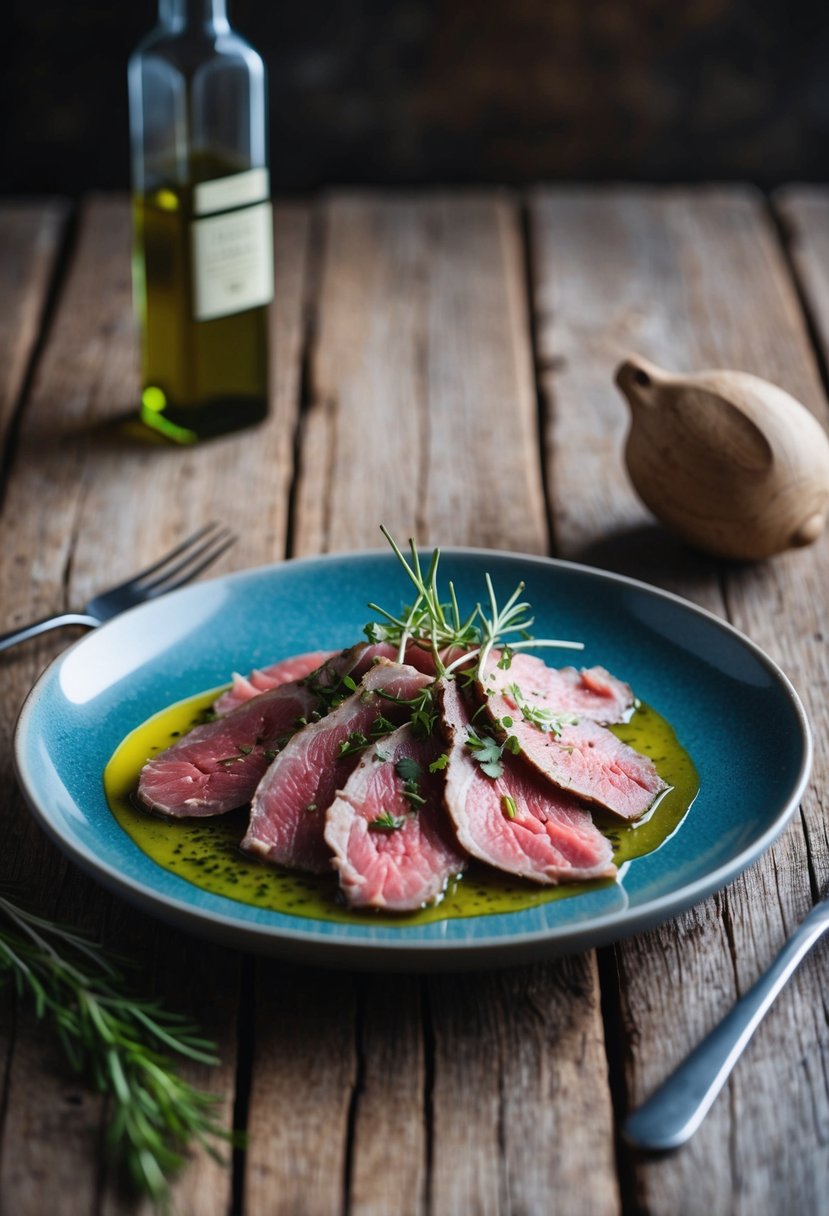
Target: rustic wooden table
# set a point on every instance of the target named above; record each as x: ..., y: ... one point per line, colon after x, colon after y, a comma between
x: 443, y: 363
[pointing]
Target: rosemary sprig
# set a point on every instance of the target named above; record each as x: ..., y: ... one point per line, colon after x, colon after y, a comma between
x: 435, y: 623
x: 120, y: 1044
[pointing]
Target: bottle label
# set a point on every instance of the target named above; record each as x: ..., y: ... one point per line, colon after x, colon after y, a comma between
x: 226, y: 193
x: 232, y: 249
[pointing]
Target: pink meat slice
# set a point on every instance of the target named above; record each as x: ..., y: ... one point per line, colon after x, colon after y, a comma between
x: 406, y: 867
x: 262, y: 680
x: 287, y: 818
x: 516, y: 822
x: 324, y: 662
x: 217, y: 767
x: 581, y: 757
x: 591, y: 692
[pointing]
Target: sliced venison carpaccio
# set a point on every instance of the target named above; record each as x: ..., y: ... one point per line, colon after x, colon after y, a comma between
x: 516, y: 822
x: 216, y: 767
x: 264, y: 679
x: 591, y: 692
x: 322, y: 668
x: 288, y: 811
x: 392, y: 842
x: 581, y: 757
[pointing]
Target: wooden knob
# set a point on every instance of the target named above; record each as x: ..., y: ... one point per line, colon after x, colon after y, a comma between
x: 729, y: 462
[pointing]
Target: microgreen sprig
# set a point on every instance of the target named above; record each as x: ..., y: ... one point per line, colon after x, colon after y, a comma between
x: 435, y: 623
x: 121, y: 1044
x: 547, y: 720
x: 386, y: 822
x: 428, y: 621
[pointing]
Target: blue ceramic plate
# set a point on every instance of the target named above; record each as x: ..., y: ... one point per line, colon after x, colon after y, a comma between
x: 730, y: 706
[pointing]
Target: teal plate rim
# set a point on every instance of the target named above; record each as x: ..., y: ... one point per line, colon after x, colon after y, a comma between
x: 731, y: 706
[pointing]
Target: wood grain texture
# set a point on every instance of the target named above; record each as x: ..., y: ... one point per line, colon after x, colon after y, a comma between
x: 389, y: 1173
x: 304, y: 1072
x: 804, y: 215
x: 694, y: 280
x: 421, y: 409
x: 30, y: 240
x: 521, y: 1110
x: 88, y: 501
x: 803, y: 212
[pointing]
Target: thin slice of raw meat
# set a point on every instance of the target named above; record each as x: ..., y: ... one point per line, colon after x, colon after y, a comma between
x: 516, y: 822
x: 591, y: 693
x: 325, y: 665
x: 392, y: 851
x: 288, y: 811
x: 264, y: 679
x: 217, y: 766
x: 581, y: 757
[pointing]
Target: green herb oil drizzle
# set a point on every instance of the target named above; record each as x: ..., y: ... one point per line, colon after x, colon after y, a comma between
x: 206, y: 852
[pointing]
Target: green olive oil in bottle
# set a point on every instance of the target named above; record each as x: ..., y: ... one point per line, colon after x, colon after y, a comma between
x: 203, y: 245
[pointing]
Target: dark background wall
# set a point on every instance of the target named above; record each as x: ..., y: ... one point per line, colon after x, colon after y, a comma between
x: 414, y: 91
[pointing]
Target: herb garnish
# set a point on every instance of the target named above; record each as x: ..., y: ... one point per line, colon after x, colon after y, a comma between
x: 548, y: 720
x: 423, y: 711
x: 410, y: 772
x: 356, y: 741
x: 386, y: 822
x: 436, y: 625
x: 119, y: 1043
x: 488, y: 751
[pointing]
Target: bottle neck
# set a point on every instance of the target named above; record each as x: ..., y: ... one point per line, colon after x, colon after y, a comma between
x: 178, y: 14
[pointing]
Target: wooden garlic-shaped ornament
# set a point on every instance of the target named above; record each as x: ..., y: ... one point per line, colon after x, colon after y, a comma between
x: 729, y: 462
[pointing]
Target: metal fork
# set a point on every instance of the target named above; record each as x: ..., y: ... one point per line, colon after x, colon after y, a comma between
x: 173, y: 570
x: 674, y: 1112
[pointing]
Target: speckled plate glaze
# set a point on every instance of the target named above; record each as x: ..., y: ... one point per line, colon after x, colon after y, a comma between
x: 731, y: 707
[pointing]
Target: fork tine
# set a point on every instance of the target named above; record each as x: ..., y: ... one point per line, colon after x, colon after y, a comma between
x: 169, y: 568
x: 187, y: 571
x: 186, y: 544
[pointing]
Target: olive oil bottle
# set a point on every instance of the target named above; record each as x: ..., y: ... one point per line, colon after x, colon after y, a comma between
x: 203, y: 252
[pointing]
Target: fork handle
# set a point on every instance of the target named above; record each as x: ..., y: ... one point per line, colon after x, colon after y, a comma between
x: 48, y: 622
x: 674, y: 1112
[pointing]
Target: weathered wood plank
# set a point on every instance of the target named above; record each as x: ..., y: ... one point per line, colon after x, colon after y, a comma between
x: 89, y: 502
x: 392, y: 1084
x: 422, y: 414
x: 421, y: 378
x: 30, y: 239
x: 691, y: 280
x: 544, y: 1132
x: 303, y: 1076
x: 804, y: 212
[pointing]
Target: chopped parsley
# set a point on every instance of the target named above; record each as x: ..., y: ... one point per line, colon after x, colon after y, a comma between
x: 547, y: 720
x: 488, y: 751
x: 410, y: 772
x: 386, y: 822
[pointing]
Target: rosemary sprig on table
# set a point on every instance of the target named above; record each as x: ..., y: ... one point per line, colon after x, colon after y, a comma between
x: 119, y: 1044
x: 435, y: 623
